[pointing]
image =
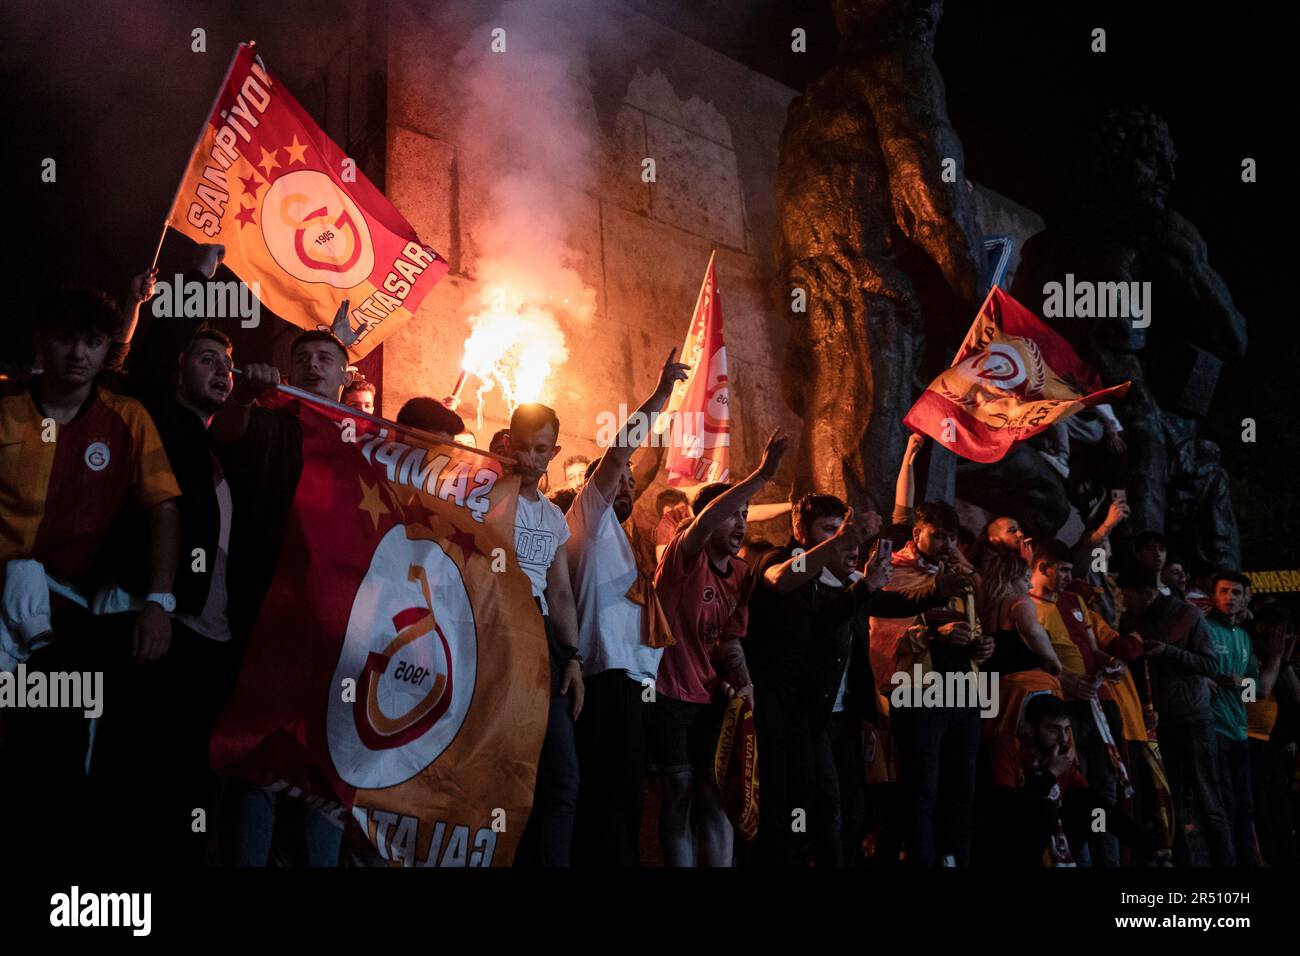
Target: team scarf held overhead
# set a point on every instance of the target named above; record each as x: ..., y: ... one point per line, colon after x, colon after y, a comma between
x: 1012, y: 378
x: 297, y: 217
x: 397, y: 676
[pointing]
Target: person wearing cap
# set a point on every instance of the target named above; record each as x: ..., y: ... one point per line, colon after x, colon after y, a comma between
x: 432, y: 416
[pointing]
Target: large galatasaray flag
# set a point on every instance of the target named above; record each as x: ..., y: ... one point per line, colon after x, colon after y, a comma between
x: 699, y: 450
x: 297, y: 217
x: 397, y: 676
x: 1012, y: 378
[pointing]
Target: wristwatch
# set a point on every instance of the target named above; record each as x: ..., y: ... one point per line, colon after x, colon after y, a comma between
x: 570, y: 653
x: 165, y: 601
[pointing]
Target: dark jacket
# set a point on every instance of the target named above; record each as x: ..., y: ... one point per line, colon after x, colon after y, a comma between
x: 841, y: 629
x: 779, y: 625
x: 800, y: 641
x: 263, y: 468
x: 188, y: 448
x: 1181, y: 674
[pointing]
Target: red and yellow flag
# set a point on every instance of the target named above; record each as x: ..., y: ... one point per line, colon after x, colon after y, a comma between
x: 297, y: 217
x: 1011, y: 379
x: 698, y: 412
x: 397, y: 676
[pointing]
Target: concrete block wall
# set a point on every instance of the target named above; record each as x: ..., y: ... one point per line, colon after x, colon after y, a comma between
x: 711, y: 125
x: 713, y: 128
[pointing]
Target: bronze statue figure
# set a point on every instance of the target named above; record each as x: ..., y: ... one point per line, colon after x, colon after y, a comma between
x: 878, y: 230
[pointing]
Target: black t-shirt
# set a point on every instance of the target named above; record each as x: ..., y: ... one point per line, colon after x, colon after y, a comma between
x: 779, y: 628
x: 263, y: 469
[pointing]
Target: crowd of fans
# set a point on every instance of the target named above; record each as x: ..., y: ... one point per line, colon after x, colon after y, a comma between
x: 922, y: 694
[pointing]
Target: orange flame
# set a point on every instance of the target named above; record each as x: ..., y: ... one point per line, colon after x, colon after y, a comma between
x: 513, y: 346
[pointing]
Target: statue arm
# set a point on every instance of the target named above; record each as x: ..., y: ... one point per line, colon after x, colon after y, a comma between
x: 907, y: 102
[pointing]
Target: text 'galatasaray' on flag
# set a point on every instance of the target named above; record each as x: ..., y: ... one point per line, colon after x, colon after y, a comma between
x: 398, y: 669
x: 1012, y: 378
x: 297, y: 217
x: 698, y: 411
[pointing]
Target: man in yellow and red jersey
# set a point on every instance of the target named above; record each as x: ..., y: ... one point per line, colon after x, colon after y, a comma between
x: 73, y: 457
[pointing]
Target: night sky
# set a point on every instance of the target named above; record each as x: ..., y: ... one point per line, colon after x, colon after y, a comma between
x: 99, y: 84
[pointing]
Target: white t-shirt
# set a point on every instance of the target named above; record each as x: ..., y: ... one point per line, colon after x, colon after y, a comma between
x: 603, y: 567
x: 539, y: 530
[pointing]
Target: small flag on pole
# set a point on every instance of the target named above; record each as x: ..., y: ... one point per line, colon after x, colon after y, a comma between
x: 297, y: 217
x: 698, y: 411
x: 1012, y: 378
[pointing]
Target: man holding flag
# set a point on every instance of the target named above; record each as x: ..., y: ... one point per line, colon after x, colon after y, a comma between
x: 263, y: 459
x: 388, y: 613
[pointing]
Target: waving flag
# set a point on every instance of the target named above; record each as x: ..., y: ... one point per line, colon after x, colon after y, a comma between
x: 700, y: 448
x: 297, y: 217
x: 398, y: 671
x: 1012, y: 378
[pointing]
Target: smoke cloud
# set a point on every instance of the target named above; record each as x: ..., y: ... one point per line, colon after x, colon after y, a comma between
x: 529, y: 125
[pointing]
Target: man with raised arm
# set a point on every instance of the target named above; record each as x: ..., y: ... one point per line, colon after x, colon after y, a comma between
x: 702, y: 587
x: 616, y: 613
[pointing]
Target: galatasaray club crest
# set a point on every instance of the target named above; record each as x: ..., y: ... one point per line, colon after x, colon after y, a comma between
x: 997, y: 366
x: 315, y: 232
x: 411, y: 648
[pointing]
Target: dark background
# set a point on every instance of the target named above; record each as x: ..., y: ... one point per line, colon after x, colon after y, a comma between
x: 112, y: 91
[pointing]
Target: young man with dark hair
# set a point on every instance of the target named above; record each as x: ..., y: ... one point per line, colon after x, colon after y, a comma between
x: 840, y: 696
x: 72, y: 457
x: 1238, y: 678
x: 360, y: 394
x: 672, y: 508
x: 1150, y: 551
x: 1044, y: 806
x: 432, y: 416
x: 784, y: 601
x: 1175, y: 575
x: 1087, y: 673
x: 540, y: 535
x: 168, y: 761
x: 260, y: 449
x: 1182, y: 663
x: 807, y: 636
x: 575, y: 470
x: 617, y: 616
x: 702, y: 588
x: 936, y: 746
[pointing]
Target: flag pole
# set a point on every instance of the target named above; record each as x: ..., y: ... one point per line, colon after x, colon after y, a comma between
x: 690, y: 326
x: 197, y: 140
x: 298, y: 393
x: 295, y: 392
